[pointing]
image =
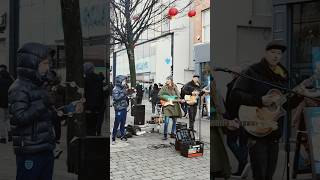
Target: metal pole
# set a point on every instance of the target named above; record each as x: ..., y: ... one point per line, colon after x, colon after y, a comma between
x: 13, y: 35
x: 172, y: 52
x: 114, y: 66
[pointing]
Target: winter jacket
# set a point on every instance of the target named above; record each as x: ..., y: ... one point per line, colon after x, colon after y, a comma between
x: 119, y: 94
x: 31, y: 118
x: 93, y: 92
x: 190, y: 87
x: 170, y: 111
x: 155, y: 95
x: 5, y: 83
x: 248, y: 92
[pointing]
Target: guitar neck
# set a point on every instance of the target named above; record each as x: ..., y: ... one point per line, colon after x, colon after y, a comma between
x: 227, y: 123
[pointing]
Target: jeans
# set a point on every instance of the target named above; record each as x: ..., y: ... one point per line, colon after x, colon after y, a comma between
x: 192, y: 116
x: 4, y: 122
x: 237, y: 142
x: 166, y: 123
x: 263, y: 157
x: 120, y: 119
x: 37, y: 166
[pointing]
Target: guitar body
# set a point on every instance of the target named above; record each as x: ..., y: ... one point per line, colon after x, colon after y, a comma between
x: 170, y: 100
x: 266, y: 117
x: 191, y: 100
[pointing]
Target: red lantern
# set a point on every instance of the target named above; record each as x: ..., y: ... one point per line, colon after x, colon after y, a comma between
x: 192, y: 13
x: 173, y: 11
x: 135, y: 17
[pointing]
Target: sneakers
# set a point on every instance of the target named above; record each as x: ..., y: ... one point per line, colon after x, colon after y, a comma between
x: 172, y: 136
x: 164, y: 138
x: 3, y: 140
x: 124, y: 138
x: 113, y: 142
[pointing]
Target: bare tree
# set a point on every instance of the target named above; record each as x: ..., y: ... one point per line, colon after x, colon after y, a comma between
x: 130, y: 18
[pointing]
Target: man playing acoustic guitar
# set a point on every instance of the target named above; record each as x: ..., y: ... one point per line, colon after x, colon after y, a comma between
x: 264, y: 150
x: 192, y: 89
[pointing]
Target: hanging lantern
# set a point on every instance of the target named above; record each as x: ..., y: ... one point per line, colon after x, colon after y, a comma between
x: 135, y: 17
x: 172, y: 12
x: 192, y: 13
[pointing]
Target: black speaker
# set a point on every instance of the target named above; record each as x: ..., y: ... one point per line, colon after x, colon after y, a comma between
x: 91, y: 157
x: 139, y: 114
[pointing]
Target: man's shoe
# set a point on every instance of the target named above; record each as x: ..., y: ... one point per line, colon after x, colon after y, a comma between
x: 172, y: 136
x: 123, y: 138
x: 3, y: 141
x: 164, y: 138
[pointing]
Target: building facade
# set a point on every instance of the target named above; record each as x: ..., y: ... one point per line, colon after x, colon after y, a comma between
x: 4, y: 32
x: 154, y: 58
x: 239, y: 38
x: 297, y: 22
x: 40, y: 21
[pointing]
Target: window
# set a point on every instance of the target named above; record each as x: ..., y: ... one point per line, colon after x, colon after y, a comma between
x: 206, y: 25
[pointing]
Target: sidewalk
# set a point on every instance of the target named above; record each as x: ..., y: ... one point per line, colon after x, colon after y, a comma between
x: 139, y: 159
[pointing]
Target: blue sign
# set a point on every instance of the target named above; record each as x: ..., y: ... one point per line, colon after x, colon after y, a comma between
x: 168, y: 61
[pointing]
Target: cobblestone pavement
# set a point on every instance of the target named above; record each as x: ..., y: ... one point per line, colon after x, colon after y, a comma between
x: 137, y: 159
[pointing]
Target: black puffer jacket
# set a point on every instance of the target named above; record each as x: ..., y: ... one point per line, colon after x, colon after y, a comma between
x: 31, y: 119
x: 249, y: 93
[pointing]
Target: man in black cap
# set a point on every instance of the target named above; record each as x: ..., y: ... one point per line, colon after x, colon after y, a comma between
x: 192, y: 89
x: 264, y: 150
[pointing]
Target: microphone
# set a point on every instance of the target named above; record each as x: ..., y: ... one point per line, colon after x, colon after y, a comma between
x: 221, y: 69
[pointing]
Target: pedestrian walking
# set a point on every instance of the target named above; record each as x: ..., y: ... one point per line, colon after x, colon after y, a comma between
x: 5, y: 83
x: 154, y: 96
x: 31, y: 117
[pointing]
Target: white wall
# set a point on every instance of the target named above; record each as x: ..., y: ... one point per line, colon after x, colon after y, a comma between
x: 232, y: 35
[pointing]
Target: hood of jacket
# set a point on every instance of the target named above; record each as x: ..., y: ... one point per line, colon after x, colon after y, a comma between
x: 28, y: 60
x: 119, y: 79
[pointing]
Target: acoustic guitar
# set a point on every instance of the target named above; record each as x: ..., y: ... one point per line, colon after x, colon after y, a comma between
x: 269, y: 114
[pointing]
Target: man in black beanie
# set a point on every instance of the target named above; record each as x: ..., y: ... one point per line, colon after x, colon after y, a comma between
x: 264, y: 149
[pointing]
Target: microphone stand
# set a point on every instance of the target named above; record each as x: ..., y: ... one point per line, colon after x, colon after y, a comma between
x: 289, y: 91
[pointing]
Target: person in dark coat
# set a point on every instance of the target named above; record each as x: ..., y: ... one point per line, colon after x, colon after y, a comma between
x: 31, y: 117
x: 93, y: 91
x: 263, y: 151
x: 104, y: 105
x: 193, y: 88
x: 5, y: 82
x: 139, y: 93
x: 154, y: 97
